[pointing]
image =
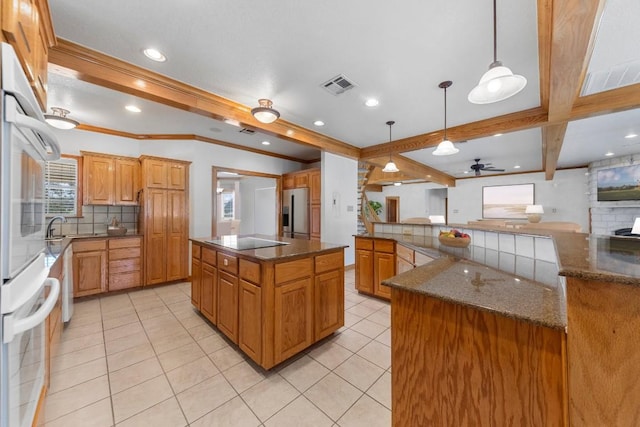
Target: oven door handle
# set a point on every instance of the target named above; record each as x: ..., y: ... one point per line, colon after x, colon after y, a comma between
x: 43, y: 130
x: 13, y: 327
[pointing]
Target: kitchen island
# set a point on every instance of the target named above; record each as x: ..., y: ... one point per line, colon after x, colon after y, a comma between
x: 272, y: 300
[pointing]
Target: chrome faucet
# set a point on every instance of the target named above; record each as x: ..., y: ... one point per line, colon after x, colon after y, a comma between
x: 49, y: 233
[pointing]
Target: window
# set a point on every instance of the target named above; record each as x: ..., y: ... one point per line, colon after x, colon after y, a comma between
x: 61, y: 187
x: 228, y: 208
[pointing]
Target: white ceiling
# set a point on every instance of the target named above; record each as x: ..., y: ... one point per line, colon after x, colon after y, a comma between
x: 397, y: 52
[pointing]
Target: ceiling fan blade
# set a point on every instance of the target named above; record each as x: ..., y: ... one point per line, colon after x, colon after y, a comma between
x: 492, y: 169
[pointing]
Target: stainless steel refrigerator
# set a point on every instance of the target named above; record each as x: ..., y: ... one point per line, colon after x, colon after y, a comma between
x: 295, y: 213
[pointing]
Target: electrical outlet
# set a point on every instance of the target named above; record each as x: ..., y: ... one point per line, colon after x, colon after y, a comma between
x: 455, y: 211
x: 554, y: 210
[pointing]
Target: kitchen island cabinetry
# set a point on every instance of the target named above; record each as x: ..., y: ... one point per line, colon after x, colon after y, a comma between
x: 273, y: 302
x: 375, y: 262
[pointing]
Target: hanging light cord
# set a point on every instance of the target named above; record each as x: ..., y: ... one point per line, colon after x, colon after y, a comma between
x: 390, y: 123
x: 445, y: 113
x: 495, y: 32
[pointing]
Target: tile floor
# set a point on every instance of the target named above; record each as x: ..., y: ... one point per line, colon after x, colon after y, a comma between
x: 146, y: 358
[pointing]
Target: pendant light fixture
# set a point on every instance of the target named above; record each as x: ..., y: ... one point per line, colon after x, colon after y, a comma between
x: 264, y: 113
x: 446, y: 147
x: 499, y: 82
x: 390, y: 166
x: 59, y: 120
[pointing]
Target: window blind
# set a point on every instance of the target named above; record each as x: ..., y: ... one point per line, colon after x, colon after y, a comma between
x: 61, y: 187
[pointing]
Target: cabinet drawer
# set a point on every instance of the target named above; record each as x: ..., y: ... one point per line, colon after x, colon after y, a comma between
x: 209, y: 256
x: 124, y: 265
x: 133, y: 242
x: 366, y: 244
x: 195, y: 251
x: 291, y: 270
x: 227, y: 263
x: 250, y: 271
x: 124, y: 280
x: 301, y: 180
x: 422, y: 259
x: 405, y: 253
x: 329, y: 262
x: 90, y: 245
x: 124, y: 253
x: 384, y: 246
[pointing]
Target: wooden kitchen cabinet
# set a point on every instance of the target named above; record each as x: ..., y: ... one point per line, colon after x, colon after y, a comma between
x: 110, y: 180
x: 176, y: 234
x: 315, y: 212
x: 89, y: 267
x: 196, y: 281
x: 250, y: 320
x: 164, y: 173
x: 125, y: 263
x: 384, y: 267
x: 329, y: 303
x: 209, y: 292
x: 228, y: 305
x: 315, y: 187
x: 375, y: 262
x: 155, y: 236
x: 127, y: 181
x: 293, y: 305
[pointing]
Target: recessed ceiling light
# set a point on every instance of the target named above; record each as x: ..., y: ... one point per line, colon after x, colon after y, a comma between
x: 609, y: 154
x: 133, y: 109
x: 266, y: 143
x: 498, y: 134
x: 631, y: 135
x: 466, y: 172
x: 397, y: 184
x: 154, y: 55
x: 290, y: 132
x: 516, y: 167
x: 371, y: 102
x: 318, y: 123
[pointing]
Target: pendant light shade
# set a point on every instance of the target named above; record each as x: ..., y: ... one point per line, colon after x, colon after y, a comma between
x: 264, y: 113
x: 59, y: 120
x: 446, y: 147
x: 499, y: 82
x: 390, y: 166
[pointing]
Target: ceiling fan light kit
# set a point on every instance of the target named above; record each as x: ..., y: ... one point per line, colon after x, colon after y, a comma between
x: 265, y: 113
x: 390, y: 166
x: 499, y: 82
x: 59, y: 120
x: 446, y: 147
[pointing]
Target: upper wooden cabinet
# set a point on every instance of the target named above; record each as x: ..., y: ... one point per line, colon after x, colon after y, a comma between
x: 110, y: 180
x: 26, y: 25
x: 315, y: 186
x: 160, y: 173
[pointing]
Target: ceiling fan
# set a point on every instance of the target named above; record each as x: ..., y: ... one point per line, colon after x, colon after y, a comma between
x: 477, y: 167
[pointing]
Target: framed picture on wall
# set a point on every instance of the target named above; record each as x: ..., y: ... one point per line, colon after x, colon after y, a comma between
x: 506, y: 201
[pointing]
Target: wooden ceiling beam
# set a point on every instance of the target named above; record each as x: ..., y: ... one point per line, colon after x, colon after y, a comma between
x: 552, y: 138
x: 611, y: 101
x: 512, y: 122
x: 97, y: 68
x: 415, y: 170
x: 377, y: 176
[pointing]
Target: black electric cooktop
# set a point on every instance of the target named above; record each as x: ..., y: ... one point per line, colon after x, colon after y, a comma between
x: 245, y: 243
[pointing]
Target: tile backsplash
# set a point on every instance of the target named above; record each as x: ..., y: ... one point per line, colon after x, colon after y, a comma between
x: 95, y: 220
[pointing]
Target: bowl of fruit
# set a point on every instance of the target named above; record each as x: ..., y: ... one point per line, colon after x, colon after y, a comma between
x: 454, y: 238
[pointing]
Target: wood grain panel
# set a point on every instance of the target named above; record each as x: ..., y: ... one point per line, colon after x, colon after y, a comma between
x: 155, y: 237
x: 293, y: 318
x: 228, y: 263
x: 89, y: 273
x: 124, y: 265
x: 329, y: 303
x: 209, y: 256
x: 404, y: 253
x: 364, y: 271
x: 124, y: 280
x: 123, y: 253
x: 125, y: 242
x: 196, y: 280
x: 176, y: 235
x: 387, y: 246
x: 196, y: 250
x: 455, y: 366
x: 98, y: 182
x: 127, y: 181
x: 250, y: 320
x: 552, y: 138
x: 228, y: 305
x: 329, y: 261
x: 287, y: 271
x: 209, y: 292
x: 384, y: 267
x: 415, y: 169
x: 366, y: 244
x: 603, y: 357
x: 250, y: 271
x: 89, y: 245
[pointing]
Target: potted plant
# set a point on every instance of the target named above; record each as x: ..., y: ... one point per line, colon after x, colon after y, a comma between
x: 376, y: 206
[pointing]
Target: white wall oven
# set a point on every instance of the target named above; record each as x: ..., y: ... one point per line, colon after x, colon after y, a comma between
x: 26, y: 144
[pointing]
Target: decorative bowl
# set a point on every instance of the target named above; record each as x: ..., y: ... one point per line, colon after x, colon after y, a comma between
x: 116, y: 231
x: 455, y: 242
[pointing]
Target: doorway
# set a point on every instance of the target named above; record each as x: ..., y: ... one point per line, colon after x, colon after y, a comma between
x: 393, y: 208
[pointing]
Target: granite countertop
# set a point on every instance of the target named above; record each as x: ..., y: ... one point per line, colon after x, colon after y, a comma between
x: 296, y: 248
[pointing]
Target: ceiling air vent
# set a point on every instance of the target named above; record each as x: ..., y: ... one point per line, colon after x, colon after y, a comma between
x: 617, y: 76
x: 337, y: 85
x: 247, y: 131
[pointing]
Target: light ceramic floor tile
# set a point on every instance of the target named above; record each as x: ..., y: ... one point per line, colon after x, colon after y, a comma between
x: 71, y: 345
x: 190, y: 374
x: 81, y: 331
x: 351, y: 340
x: 122, y: 331
x: 67, y: 401
x: 171, y: 342
x: 361, y: 310
x: 245, y: 375
x: 97, y: 414
x: 359, y: 372
x: 135, y: 374
x: 303, y: 373
x: 151, y: 312
x: 368, y: 328
x: 125, y: 343
x: 381, y: 318
x: 129, y: 357
x: 201, y: 331
x: 351, y: 319
x: 226, y: 357
x: 366, y: 412
x: 62, y: 380
x: 233, y: 413
x: 118, y: 312
x: 192, y: 321
x: 381, y: 390
x: 330, y: 355
x: 164, y: 414
x: 205, y: 397
x: 140, y: 397
x: 385, y: 338
x: 212, y: 343
x: 269, y: 396
x: 180, y: 356
x: 333, y: 395
x: 299, y: 413
x: 377, y: 353
x: 375, y: 303
x: 69, y: 360
x: 119, y: 321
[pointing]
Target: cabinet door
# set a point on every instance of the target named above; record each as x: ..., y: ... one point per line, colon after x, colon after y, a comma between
x: 329, y: 303
x: 364, y: 270
x: 301, y: 180
x: 403, y: 265
x: 177, y: 242
x: 98, y: 180
x: 228, y: 305
x: 209, y: 292
x: 315, y: 186
x: 40, y: 63
x: 126, y: 181
x: 176, y: 176
x: 89, y: 273
x: 196, y: 282
x: 155, y: 236
x: 287, y: 182
x: 155, y: 173
x: 293, y: 309
x: 315, y: 221
x: 385, y: 267
x: 19, y: 26
x: 250, y: 320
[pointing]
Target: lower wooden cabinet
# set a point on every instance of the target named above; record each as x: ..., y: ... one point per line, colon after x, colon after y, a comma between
x: 329, y: 303
x: 293, y: 306
x: 375, y: 262
x: 384, y: 267
x: 228, y: 305
x: 250, y: 320
x: 196, y: 280
x: 89, y: 267
x: 209, y: 292
x: 125, y: 263
x: 364, y: 271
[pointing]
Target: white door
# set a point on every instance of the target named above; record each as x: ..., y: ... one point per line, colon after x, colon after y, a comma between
x: 264, y: 211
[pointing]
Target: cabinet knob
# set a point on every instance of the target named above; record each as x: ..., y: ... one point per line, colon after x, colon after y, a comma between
x: 225, y: 262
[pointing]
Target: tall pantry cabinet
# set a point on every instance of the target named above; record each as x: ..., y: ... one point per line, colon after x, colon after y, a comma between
x: 166, y: 218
